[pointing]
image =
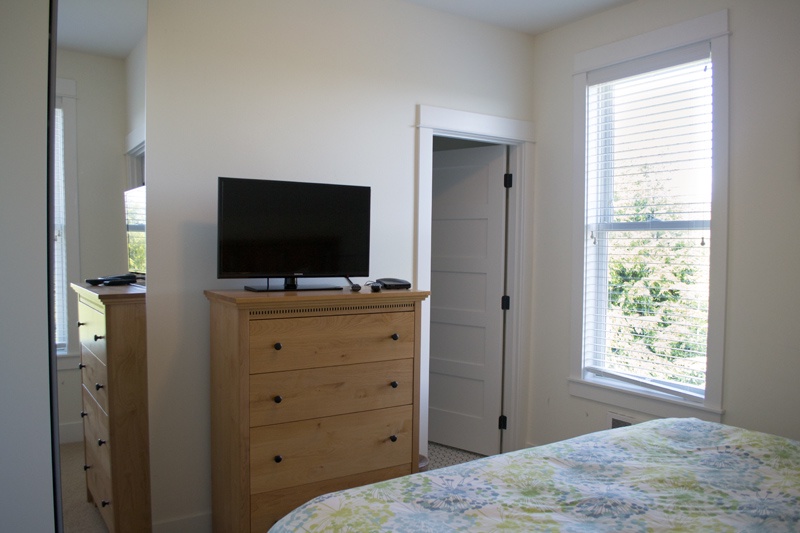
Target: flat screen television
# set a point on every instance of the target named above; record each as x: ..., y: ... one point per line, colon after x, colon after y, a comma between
x: 291, y: 230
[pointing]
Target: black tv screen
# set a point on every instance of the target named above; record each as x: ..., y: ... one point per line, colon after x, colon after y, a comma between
x: 284, y: 229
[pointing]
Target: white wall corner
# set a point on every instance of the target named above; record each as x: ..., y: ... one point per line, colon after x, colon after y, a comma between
x: 134, y: 140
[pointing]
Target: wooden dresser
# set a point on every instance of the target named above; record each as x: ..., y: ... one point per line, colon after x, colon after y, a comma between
x: 113, y: 366
x: 310, y: 392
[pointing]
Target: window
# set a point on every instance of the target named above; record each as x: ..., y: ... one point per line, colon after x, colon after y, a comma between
x: 135, y: 159
x: 59, y: 238
x: 652, y: 149
x: 65, y: 218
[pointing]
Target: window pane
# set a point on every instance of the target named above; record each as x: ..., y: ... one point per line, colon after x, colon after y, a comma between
x: 59, y: 244
x: 655, y: 318
x: 648, y: 212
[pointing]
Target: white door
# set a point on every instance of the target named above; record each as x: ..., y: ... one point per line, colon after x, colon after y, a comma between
x: 467, y: 281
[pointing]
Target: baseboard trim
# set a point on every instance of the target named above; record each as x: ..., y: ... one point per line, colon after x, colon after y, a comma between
x: 198, y: 523
x: 70, y: 432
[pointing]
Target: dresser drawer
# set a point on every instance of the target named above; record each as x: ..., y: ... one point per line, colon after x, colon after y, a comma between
x: 98, y: 483
x: 278, y: 397
x: 315, y: 450
x: 266, y: 508
x: 96, y: 433
x: 94, y: 375
x: 92, y: 330
x: 296, y: 343
x: 98, y: 457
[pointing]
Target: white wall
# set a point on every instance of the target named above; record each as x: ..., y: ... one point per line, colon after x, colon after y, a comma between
x: 101, y: 130
x: 762, y: 360
x: 290, y: 89
x: 26, y: 487
x: 136, y: 68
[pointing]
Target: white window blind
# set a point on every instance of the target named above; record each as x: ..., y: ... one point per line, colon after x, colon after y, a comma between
x: 647, y: 223
x: 60, y: 281
x: 66, y: 265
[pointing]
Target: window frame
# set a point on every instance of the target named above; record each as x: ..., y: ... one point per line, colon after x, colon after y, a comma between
x: 712, y: 29
x: 66, y: 99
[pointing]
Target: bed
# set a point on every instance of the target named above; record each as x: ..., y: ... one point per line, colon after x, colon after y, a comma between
x: 663, y: 475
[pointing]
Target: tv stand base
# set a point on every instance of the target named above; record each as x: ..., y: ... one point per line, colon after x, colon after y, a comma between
x: 278, y: 288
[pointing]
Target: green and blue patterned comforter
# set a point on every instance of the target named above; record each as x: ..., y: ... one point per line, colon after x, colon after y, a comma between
x: 663, y: 475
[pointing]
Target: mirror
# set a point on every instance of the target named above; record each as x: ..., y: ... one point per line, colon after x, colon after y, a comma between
x: 100, y: 64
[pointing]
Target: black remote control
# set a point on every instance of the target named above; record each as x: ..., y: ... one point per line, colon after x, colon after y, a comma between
x: 122, y: 279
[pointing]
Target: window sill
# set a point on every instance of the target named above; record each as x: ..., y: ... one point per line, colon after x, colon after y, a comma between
x: 610, y: 392
x: 67, y: 361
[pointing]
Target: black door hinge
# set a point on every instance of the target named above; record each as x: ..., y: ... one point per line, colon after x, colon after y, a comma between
x: 505, y: 303
x: 507, y: 179
x: 503, y: 423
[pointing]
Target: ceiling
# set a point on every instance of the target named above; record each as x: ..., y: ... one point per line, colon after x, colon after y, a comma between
x: 103, y: 27
x: 114, y: 27
x: 527, y: 16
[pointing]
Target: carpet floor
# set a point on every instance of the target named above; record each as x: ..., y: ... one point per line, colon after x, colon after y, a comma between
x: 440, y: 456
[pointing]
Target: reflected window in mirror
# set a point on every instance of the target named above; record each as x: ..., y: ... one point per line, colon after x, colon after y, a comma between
x: 66, y: 268
x: 135, y: 158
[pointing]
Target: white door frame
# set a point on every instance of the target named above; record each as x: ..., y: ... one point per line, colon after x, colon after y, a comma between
x: 519, y: 136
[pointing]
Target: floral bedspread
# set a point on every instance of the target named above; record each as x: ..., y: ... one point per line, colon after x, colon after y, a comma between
x: 663, y: 475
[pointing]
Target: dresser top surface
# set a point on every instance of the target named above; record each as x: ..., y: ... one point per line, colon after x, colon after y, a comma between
x: 243, y: 298
x: 119, y: 293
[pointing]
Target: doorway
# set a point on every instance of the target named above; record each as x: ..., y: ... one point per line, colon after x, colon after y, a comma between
x: 516, y: 138
x: 468, y: 259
